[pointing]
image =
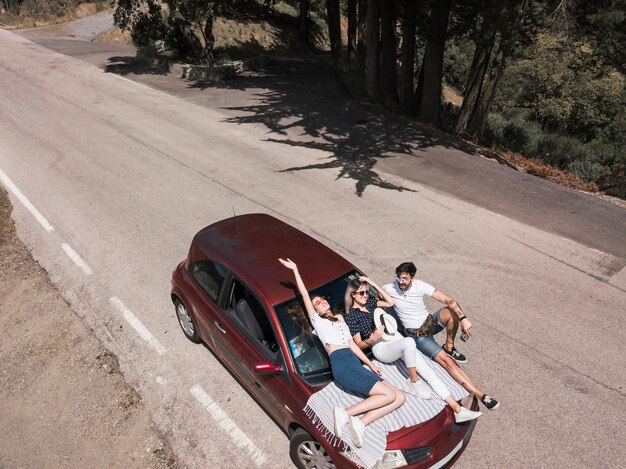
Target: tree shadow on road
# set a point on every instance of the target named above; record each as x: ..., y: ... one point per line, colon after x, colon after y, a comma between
x: 302, y: 101
x: 127, y: 65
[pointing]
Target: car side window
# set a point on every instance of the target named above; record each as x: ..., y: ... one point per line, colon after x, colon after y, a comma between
x: 248, y: 314
x: 210, y: 276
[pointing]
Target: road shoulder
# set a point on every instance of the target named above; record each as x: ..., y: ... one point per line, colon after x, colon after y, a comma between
x: 65, y: 402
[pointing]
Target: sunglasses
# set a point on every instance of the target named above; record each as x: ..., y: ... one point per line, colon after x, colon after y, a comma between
x: 361, y: 293
x: 403, y: 280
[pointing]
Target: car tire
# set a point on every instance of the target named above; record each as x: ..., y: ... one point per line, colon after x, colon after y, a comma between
x: 186, y: 322
x: 305, y: 452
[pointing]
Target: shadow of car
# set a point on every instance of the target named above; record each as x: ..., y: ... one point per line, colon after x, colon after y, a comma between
x: 232, y: 294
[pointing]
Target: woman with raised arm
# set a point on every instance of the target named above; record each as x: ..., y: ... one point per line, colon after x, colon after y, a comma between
x: 381, y: 398
x: 360, y: 306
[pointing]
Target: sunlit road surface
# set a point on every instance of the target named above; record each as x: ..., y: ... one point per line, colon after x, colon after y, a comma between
x: 125, y: 175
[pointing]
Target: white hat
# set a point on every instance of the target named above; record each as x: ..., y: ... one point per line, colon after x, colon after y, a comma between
x: 381, y: 318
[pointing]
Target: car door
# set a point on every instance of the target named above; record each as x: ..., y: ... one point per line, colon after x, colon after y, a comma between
x: 246, y: 337
x: 208, y: 279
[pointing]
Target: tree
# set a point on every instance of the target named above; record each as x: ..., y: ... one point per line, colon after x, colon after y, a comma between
x: 432, y: 65
x: 145, y: 19
x: 304, y: 20
x: 361, y: 51
x: 504, y: 25
x: 407, y: 69
x: 372, y: 61
x: 510, y: 24
x: 352, y: 29
x: 388, y: 91
x: 333, y: 17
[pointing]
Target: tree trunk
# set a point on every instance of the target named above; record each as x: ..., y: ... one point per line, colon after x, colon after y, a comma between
x: 432, y: 65
x: 334, y: 28
x: 372, y: 63
x: 352, y: 26
x: 192, y: 43
x: 304, y: 20
x: 477, y: 122
x: 389, y: 93
x: 407, y: 70
x: 209, y: 39
x: 473, y: 87
x: 507, y: 23
x: 361, y: 50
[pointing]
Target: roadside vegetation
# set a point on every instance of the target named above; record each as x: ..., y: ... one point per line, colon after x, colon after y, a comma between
x: 34, y: 13
x: 540, y: 83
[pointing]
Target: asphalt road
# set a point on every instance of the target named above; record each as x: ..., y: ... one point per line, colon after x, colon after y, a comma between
x: 126, y: 174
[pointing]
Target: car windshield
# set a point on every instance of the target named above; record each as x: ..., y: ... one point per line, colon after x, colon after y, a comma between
x: 308, y: 354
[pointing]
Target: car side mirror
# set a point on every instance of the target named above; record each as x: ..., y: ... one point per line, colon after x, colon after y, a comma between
x: 264, y: 368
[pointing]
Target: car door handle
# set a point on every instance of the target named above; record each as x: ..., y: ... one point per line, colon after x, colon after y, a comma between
x: 219, y: 327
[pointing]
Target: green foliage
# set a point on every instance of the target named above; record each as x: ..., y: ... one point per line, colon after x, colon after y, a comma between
x: 145, y: 19
x: 457, y: 61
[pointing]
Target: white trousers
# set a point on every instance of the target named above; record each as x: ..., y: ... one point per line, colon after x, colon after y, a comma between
x: 390, y: 351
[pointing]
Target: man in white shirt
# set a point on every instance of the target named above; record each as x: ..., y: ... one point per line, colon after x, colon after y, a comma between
x: 408, y: 294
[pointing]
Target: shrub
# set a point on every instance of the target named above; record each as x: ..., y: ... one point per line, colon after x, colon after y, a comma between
x: 37, y: 9
x: 587, y: 169
x: 559, y: 150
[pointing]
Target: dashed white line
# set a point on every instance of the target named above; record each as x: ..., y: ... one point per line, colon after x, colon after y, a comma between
x: 22, y: 198
x: 236, y: 434
x: 136, y: 324
x: 76, y: 259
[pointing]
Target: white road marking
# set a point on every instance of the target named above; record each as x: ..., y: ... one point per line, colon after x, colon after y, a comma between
x: 138, y: 326
x: 22, y: 198
x: 236, y: 434
x: 161, y: 380
x: 76, y: 259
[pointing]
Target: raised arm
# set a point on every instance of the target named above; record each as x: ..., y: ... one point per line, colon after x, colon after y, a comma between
x: 308, y: 305
x: 387, y: 301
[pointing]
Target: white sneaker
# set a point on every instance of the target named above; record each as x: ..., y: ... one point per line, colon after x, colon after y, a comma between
x: 421, y: 389
x: 341, y: 418
x: 357, y: 429
x: 465, y: 415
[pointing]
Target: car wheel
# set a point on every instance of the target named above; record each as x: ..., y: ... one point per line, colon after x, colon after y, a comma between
x: 186, y: 322
x: 306, y: 452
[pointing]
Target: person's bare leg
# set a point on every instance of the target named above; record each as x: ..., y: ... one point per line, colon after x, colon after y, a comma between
x: 383, y: 399
x: 375, y: 414
x: 380, y: 395
x: 447, y: 317
x: 458, y: 374
x: 454, y: 405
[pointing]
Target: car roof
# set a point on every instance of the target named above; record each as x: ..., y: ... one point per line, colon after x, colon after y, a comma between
x: 250, y: 246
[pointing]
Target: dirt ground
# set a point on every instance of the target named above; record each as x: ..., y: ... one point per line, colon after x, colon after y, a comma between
x: 63, y: 400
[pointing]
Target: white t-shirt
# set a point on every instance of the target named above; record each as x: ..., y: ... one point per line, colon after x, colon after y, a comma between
x: 331, y: 332
x: 410, y: 303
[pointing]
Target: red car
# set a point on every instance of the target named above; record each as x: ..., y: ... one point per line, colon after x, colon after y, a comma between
x: 232, y: 294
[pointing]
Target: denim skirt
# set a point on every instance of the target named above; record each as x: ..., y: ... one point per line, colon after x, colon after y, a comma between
x: 350, y: 374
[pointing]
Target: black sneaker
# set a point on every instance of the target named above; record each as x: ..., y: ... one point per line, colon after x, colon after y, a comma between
x: 458, y: 356
x: 489, y: 402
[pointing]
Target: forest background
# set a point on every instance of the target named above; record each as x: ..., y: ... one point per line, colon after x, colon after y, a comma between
x: 544, y: 79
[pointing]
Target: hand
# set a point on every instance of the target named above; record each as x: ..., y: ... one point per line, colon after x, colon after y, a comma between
x: 466, y: 326
x: 364, y: 279
x: 377, y: 335
x: 289, y: 264
x: 375, y: 369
